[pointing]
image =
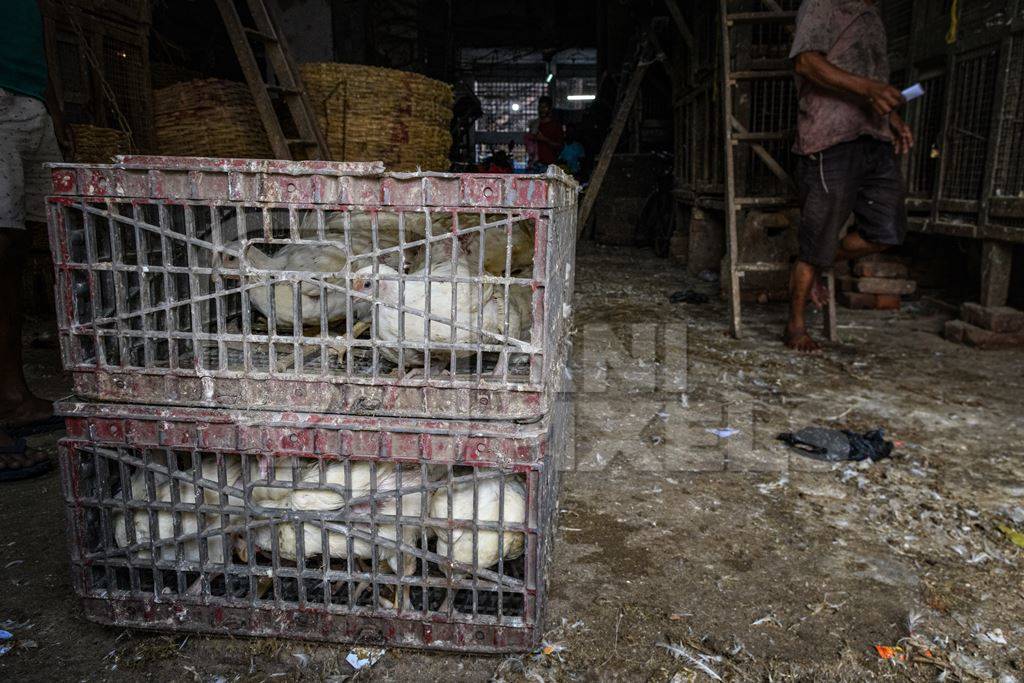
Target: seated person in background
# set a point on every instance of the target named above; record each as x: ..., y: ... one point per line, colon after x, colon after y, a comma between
x: 545, y: 137
x: 499, y: 162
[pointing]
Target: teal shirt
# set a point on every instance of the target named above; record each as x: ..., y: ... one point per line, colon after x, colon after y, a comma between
x: 22, y: 55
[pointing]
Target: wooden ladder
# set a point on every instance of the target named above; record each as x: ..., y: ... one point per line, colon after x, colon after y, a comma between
x: 736, y: 137
x: 310, y: 143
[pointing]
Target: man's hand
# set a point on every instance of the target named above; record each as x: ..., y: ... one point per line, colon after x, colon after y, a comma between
x: 903, y: 137
x: 882, y: 97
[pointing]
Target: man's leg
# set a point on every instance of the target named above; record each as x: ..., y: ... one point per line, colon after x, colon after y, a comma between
x: 18, y: 406
x: 800, y: 282
x: 880, y: 211
x: 826, y: 200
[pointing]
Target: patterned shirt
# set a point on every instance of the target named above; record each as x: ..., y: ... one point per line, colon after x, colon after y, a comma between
x: 851, y: 35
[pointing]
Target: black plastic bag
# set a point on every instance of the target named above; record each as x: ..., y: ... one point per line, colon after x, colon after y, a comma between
x: 837, y: 445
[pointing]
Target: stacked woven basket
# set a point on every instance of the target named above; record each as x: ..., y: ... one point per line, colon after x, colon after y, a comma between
x: 370, y: 114
x: 210, y: 118
x: 98, y: 145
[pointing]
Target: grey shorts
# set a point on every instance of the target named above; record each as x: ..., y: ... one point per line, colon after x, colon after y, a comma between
x: 26, y: 143
x: 861, y: 177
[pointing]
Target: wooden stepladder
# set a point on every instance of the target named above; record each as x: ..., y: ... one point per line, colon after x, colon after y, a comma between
x: 310, y: 143
x: 737, y: 138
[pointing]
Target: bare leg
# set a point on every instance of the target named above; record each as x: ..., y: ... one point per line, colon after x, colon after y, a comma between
x: 801, y: 280
x: 18, y: 405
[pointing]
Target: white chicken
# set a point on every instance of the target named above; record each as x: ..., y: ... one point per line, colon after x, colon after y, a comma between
x: 495, y: 244
x: 383, y: 484
x: 385, y: 296
x: 460, y: 540
x: 519, y: 304
x: 165, y: 519
x: 330, y: 260
x: 391, y: 231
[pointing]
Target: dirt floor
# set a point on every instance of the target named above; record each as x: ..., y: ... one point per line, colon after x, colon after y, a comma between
x: 683, y: 555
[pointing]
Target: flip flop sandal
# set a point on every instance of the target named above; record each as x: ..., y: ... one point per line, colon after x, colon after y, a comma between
x: 13, y: 474
x: 43, y: 426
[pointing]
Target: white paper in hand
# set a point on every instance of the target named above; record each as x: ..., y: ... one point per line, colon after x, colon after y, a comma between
x: 913, y: 92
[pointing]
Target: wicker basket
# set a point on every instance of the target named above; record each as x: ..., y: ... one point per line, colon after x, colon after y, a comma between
x: 210, y: 117
x: 98, y: 145
x: 370, y: 114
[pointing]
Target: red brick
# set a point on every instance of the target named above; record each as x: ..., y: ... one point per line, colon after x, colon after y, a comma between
x: 993, y: 318
x: 984, y: 339
x: 887, y: 302
x: 878, y: 285
x: 880, y: 269
x: 857, y: 300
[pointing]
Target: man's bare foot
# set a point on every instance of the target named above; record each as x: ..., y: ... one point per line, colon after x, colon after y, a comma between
x: 799, y: 340
x: 819, y: 293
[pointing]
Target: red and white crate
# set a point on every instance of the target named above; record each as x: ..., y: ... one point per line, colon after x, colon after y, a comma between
x: 243, y: 283
x: 192, y: 519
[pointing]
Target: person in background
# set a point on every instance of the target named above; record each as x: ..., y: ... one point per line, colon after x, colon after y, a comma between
x: 27, y: 140
x: 499, y: 162
x: 571, y: 156
x: 546, y: 135
x: 847, y: 134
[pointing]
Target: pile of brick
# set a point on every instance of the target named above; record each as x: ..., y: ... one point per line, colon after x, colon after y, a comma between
x: 875, y: 282
x: 987, y: 327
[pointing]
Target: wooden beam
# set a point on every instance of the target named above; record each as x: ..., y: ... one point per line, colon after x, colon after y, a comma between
x: 774, y: 166
x: 996, y: 261
x: 684, y: 28
x: 604, y: 159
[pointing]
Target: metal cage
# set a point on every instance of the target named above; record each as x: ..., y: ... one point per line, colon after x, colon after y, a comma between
x: 318, y: 286
x: 382, y: 531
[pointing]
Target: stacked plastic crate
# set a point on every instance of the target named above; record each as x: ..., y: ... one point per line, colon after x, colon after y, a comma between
x: 314, y: 399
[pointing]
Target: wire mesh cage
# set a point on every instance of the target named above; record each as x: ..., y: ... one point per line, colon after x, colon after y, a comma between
x: 100, y: 65
x: 1009, y: 162
x: 973, y: 85
x: 313, y: 286
x: 925, y: 116
x: 375, y: 530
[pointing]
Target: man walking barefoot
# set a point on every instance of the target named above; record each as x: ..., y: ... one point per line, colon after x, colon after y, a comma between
x: 848, y: 134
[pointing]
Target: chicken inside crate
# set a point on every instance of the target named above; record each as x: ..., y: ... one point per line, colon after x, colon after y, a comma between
x: 318, y: 294
x: 422, y: 538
